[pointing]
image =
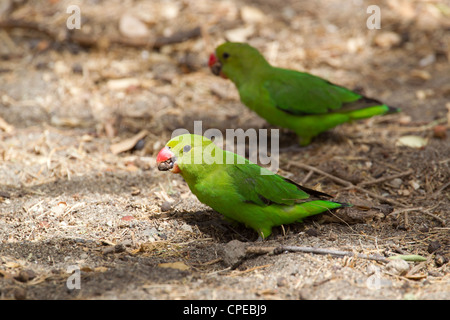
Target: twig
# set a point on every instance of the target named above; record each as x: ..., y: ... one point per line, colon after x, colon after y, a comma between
x: 89, y: 41
x: 334, y: 178
x: 238, y: 273
x: 416, y: 268
x: 346, y: 183
x: 337, y: 253
x: 307, y: 177
x: 427, y: 212
x: 442, y: 188
x: 421, y: 209
x: 413, y: 128
x: 406, y: 210
x: 383, y: 179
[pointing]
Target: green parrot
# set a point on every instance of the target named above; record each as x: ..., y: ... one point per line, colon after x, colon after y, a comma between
x: 238, y: 189
x: 301, y: 102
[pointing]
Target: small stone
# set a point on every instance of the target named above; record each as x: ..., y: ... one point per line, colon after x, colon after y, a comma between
x: 25, y: 275
x: 186, y: 227
x: 20, y: 294
x: 119, y: 248
x: 312, y: 232
x: 440, y: 132
x: 108, y: 250
x: 166, y: 206
x: 77, y: 68
x: 387, y: 39
x: 440, y: 260
x: 281, y: 282
x: 398, y: 267
x: 233, y: 253
x: 397, y: 182
x: 131, y: 27
x: 240, y: 34
x: 433, y: 246
x: 414, y: 184
x: 426, y: 61
x: 252, y: 15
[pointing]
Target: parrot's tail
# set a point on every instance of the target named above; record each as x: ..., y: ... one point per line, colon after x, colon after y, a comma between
x: 372, y: 111
x: 278, y: 215
x: 312, y: 208
x: 393, y: 110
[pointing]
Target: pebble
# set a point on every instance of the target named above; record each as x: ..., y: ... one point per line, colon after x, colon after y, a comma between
x: 433, y: 246
x: 282, y: 282
x: 397, y: 182
x: 131, y: 27
x: 312, y: 232
x: 77, y: 68
x: 20, y: 294
x: 166, y: 206
x: 25, y: 275
x: 252, y: 15
x: 440, y: 260
x: 387, y: 39
x: 398, y: 267
x: 186, y: 227
x: 440, y: 132
x: 233, y: 253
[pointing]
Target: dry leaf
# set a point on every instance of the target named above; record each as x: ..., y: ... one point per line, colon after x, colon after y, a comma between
x: 100, y: 269
x: 387, y: 39
x: 5, y: 126
x: 179, y: 265
x: 252, y: 15
x: 412, y: 142
x: 123, y: 84
x: 239, y: 34
x: 131, y: 27
x: 440, y: 131
x: 12, y: 264
x: 128, y: 144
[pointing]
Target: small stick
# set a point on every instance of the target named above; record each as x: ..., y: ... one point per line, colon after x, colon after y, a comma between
x: 383, y: 179
x: 326, y: 174
x: 421, y: 209
x: 427, y: 211
x: 406, y: 210
x: 346, y: 183
x: 416, y: 268
x: 306, y: 178
x: 374, y: 195
x: 88, y: 41
x: 337, y: 253
x: 444, y: 186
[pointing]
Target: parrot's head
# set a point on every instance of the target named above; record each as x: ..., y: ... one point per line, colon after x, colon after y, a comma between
x: 183, y: 151
x: 235, y: 60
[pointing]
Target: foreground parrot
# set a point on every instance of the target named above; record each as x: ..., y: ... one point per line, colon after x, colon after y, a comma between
x: 240, y: 190
x: 299, y: 101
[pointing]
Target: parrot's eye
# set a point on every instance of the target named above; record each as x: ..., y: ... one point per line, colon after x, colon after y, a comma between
x: 187, y: 148
x: 225, y: 55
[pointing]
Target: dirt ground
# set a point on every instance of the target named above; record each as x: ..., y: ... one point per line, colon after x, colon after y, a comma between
x: 72, y: 197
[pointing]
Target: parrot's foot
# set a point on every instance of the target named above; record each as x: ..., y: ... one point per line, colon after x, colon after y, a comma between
x: 260, y: 239
x: 263, y: 233
x: 304, y: 141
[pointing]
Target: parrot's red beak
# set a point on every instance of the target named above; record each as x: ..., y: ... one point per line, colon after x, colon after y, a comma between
x: 212, y: 60
x: 215, y: 66
x: 166, y: 160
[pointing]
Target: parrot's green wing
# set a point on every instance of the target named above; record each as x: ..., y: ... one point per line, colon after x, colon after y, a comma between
x: 269, y: 188
x: 301, y: 93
